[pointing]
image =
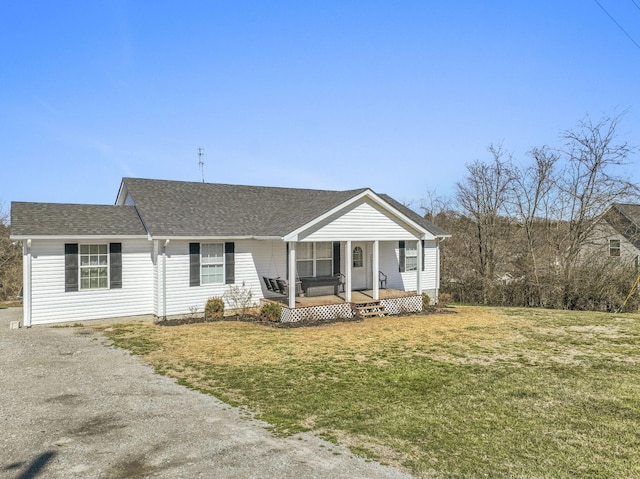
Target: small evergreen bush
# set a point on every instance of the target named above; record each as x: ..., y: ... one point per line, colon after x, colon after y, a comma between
x: 426, y: 301
x: 271, y: 312
x: 213, y: 309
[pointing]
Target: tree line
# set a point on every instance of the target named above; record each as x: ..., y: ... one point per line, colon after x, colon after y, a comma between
x: 524, y: 235
x: 10, y: 261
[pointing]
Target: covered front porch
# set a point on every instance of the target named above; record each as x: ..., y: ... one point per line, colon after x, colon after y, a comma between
x: 389, y: 301
x: 375, y: 268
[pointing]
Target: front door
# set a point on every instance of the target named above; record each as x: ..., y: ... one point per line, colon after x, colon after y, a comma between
x: 358, y: 266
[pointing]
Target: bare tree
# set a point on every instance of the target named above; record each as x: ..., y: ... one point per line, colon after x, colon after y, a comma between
x: 592, y: 179
x: 434, y: 205
x: 535, y: 191
x: 484, y: 195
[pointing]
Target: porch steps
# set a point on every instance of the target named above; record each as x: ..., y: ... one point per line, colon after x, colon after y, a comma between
x: 368, y: 309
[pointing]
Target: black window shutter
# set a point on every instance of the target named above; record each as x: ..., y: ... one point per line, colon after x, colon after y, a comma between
x: 71, y: 267
x: 286, y: 274
x: 401, y: 254
x: 230, y: 263
x: 115, y: 265
x: 336, y: 257
x: 422, y: 244
x: 194, y: 264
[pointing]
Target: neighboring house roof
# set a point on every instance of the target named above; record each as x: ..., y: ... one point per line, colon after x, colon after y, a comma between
x: 185, y: 209
x: 58, y: 219
x: 625, y: 219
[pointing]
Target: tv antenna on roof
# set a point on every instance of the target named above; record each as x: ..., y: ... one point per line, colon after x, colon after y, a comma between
x: 200, y: 162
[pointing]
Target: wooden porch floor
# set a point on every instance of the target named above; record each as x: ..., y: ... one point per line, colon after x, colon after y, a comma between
x: 356, y: 296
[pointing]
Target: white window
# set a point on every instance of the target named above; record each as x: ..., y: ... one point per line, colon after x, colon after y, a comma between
x: 94, y: 266
x: 358, y: 257
x: 304, y: 259
x: 411, y: 256
x: 211, y: 263
x: 324, y: 259
x: 614, y: 247
x: 314, y: 259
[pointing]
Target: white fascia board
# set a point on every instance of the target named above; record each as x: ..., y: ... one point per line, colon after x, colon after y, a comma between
x: 293, y: 236
x: 78, y: 237
x: 214, y: 238
x: 122, y: 194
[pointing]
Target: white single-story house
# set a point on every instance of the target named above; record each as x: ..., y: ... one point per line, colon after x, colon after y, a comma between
x: 165, y: 247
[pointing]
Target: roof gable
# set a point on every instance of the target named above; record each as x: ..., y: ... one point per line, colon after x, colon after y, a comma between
x: 624, y: 218
x: 365, y: 216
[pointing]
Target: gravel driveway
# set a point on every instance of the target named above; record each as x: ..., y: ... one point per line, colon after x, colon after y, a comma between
x: 73, y: 406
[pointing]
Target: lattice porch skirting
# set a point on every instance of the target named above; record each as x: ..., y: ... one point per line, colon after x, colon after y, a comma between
x: 310, y: 313
x: 408, y: 304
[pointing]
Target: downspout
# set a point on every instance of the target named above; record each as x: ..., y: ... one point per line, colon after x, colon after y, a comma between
x: 164, y: 279
x: 26, y: 283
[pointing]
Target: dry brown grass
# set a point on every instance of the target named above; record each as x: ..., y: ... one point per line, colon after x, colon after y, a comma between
x: 451, y: 395
x: 238, y: 343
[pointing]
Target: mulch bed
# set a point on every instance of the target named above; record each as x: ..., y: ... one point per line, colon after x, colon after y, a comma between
x: 303, y: 323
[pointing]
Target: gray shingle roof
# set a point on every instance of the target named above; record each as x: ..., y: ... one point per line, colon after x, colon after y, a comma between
x: 631, y: 211
x: 625, y: 219
x: 428, y: 225
x: 58, y: 219
x: 179, y: 208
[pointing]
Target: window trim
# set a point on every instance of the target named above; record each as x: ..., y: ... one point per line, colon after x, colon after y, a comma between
x: 89, y: 266
x: 314, y: 258
x: 615, y: 251
x: 221, y: 263
x: 357, y: 258
x: 407, y: 255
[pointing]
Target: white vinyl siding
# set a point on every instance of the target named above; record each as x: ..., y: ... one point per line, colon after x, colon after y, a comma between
x: 253, y: 259
x: 406, y: 281
x: 51, y: 304
x: 364, y: 221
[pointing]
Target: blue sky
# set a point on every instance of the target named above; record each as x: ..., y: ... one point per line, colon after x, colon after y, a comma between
x: 394, y: 95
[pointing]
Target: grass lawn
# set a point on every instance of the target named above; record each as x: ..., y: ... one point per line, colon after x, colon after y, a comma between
x: 485, y: 392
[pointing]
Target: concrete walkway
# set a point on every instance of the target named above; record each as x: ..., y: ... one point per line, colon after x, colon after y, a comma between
x: 73, y: 406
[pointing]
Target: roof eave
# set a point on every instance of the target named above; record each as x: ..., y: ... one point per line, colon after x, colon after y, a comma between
x: 21, y: 237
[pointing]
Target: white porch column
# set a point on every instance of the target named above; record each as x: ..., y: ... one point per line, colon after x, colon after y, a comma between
x: 376, y: 269
x: 419, y: 268
x: 347, y: 271
x: 26, y: 283
x: 292, y: 274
